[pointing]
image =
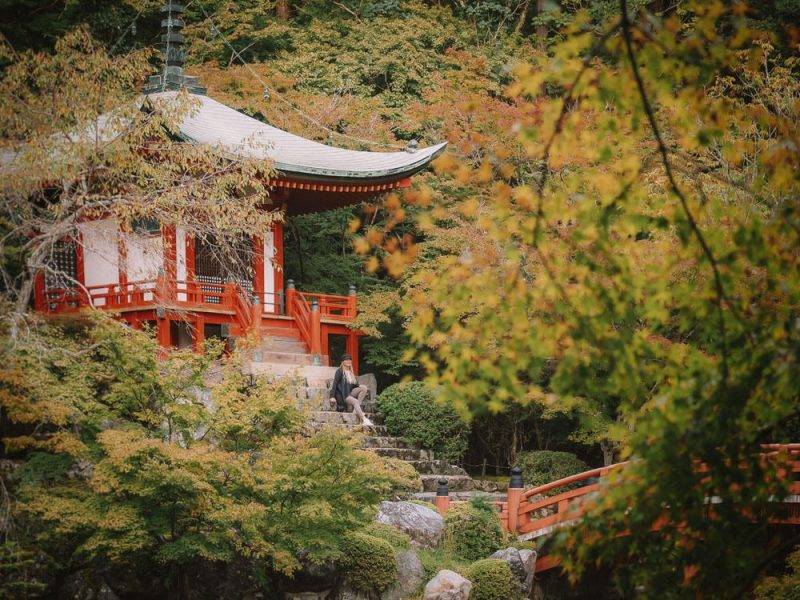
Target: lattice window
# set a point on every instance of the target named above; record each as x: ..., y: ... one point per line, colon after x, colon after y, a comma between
x: 62, y: 265
x: 216, y: 264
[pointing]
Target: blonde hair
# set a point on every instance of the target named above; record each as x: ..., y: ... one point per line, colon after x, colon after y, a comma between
x: 349, y: 375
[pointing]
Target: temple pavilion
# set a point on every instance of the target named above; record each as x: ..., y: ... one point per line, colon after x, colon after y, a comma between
x: 164, y: 277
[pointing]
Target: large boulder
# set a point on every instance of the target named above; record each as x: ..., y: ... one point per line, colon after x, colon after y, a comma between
x: 514, y: 560
x: 447, y: 585
x: 410, y: 574
x: 369, y: 381
x: 522, y: 564
x: 422, y: 524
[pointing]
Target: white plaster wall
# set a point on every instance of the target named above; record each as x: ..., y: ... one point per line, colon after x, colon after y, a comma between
x: 180, y: 253
x: 180, y: 258
x: 145, y: 256
x: 270, y: 300
x: 100, y: 253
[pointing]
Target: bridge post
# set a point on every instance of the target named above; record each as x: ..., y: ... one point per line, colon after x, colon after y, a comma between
x: 442, y: 500
x: 514, y: 498
x: 255, y: 317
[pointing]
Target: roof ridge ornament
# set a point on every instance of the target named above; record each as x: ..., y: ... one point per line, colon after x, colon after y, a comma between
x: 173, y: 78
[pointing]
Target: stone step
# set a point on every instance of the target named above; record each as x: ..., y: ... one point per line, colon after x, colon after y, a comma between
x: 311, y: 375
x: 456, y: 483
x: 321, y: 403
x: 331, y: 416
x: 437, y: 467
x: 401, y: 453
x: 290, y: 358
x: 375, y: 429
x: 283, y: 346
x: 385, y: 441
x: 286, y: 332
x: 462, y: 496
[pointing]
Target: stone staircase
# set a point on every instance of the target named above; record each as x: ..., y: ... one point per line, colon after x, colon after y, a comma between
x: 281, y: 354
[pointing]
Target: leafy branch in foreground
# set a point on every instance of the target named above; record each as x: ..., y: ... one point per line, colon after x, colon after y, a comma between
x: 643, y: 277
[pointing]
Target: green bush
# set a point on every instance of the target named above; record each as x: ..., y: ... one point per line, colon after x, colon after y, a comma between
x: 543, y: 466
x: 411, y: 411
x: 491, y: 580
x: 368, y: 562
x: 473, y: 530
x: 396, y: 538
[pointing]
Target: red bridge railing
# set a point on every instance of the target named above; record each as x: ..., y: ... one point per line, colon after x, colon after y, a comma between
x: 532, y: 513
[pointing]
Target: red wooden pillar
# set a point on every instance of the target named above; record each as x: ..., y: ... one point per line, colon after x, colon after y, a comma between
x: 316, y: 329
x: 163, y: 330
x: 277, y: 242
x: 352, y: 348
x: 255, y: 318
x: 199, y: 333
x: 170, y: 254
x: 290, y: 295
x: 351, y: 302
x: 191, y: 245
x: 39, y: 293
x: 258, y: 268
x: 442, y: 499
x: 514, y: 498
x: 326, y: 351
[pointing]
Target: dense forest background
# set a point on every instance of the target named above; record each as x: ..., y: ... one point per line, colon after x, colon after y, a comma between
x: 605, y: 263
x: 381, y: 71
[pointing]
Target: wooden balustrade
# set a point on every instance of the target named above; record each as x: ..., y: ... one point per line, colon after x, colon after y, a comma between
x: 534, y: 513
x: 307, y: 309
x: 341, y: 308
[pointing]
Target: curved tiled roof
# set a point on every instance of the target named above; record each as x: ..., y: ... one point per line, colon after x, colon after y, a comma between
x: 215, y: 124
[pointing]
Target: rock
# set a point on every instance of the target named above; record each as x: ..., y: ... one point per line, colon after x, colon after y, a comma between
x: 410, y: 574
x: 514, y: 560
x: 348, y: 593
x: 522, y: 564
x: 368, y: 380
x: 485, y: 485
x: 447, y: 585
x: 529, y: 561
x: 422, y: 524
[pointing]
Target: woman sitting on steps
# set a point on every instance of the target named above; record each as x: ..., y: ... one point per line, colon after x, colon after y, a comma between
x: 346, y: 391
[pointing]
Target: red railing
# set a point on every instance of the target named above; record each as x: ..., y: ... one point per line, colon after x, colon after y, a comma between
x: 342, y: 308
x: 534, y: 513
x: 300, y: 310
x: 306, y: 308
x: 133, y: 294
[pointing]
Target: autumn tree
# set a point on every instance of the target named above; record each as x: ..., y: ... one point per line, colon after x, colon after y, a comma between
x: 131, y: 472
x: 644, y: 274
x: 80, y: 142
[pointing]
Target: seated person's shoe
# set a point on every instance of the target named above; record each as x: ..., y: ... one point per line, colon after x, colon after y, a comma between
x: 367, y: 423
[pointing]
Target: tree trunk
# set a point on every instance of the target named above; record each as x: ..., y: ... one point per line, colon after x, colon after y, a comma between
x: 608, y: 453
x: 541, y: 28
x: 283, y: 10
x: 523, y: 17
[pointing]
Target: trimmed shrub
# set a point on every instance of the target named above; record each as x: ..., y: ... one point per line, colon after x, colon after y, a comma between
x: 368, y: 562
x: 411, y: 411
x: 491, y: 580
x: 472, y: 530
x: 543, y: 466
x: 396, y: 538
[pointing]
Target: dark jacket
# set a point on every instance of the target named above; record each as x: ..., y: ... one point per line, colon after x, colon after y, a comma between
x: 341, y: 389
